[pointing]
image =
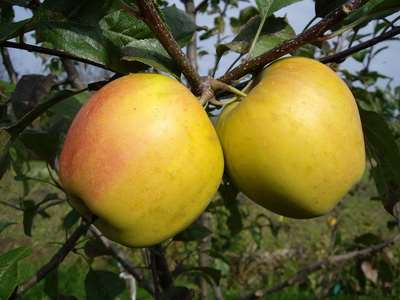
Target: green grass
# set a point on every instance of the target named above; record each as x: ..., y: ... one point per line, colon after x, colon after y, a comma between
x: 248, y: 264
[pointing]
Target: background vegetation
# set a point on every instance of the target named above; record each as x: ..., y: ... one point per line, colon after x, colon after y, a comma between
x: 236, y: 250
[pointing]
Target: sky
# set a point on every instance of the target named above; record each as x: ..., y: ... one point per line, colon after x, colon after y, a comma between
x: 299, y: 14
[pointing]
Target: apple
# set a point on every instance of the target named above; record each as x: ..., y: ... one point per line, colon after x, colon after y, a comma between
x: 143, y: 157
x: 295, y: 144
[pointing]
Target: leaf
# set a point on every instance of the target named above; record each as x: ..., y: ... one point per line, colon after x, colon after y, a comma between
x: 268, y: 7
x: 371, y: 10
x: 30, y: 210
x: 264, y: 7
x: 9, y: 270
x: 6, y: 140
x: 77, y: 39
x: 323, y: 7
x: 70, y: 219
x: 213, y: 276
x: 383, y: 149
x: 274, y: 32
x: 367, y: 239
x: 4, y: 225
x: 181, y: 24
x: 94, y: 248
x: 175, y: 292
x: 29, y: 91
x: 194, y: 232
x: 11, y: 30
x: 121, y: 28
x: 44, y: 145
x: 151, y: 53
x: 229, y: 193
x: 100, y: 284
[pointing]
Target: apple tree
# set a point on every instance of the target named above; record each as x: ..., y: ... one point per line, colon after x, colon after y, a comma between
x: 85, y: 45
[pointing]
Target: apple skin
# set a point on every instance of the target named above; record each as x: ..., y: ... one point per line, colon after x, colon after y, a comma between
x: 142, y: 156
x: 295, y: 144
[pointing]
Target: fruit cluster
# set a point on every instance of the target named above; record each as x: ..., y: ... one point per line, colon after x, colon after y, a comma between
x: 144, y: 158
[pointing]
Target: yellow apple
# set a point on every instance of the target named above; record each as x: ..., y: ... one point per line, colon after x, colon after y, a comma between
x: 142, y: 156
x: 294, y: 145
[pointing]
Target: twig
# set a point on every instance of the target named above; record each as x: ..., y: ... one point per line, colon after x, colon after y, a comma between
x: 218, y: 58
x: 322, y: 264
x: 54, y: 52
x: 341, y: 56
x: 154, y: 273
x: 56, y: 260
x: 12, y: 74
x: 122, y: 259
x: 38, y: 110
x: 72, y: 73
x: 305, y: 37
x: 151, y: 17
x: 191, y: 49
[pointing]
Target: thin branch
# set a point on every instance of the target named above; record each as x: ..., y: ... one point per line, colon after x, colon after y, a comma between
x: 54, y: 52
x: 341, y: 56
x: 54, y: 262
x: 328, y: 262
x: 305, y: 37
x: 72, y: 73
x: 122, y: 259
x: 38, y: 110
x: 191, y: 50
x: 12, y: 74
x: 151, y: 17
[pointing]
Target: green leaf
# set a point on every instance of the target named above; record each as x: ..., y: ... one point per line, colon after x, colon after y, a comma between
x: 175, y: 292
x: 30, y: 210
x: 94, y: 248
x: 9, y: 270
x: 323, y: 7
x: 268, y: 7
x: 70, y: 219
x: 213, y: 276
x: 264, y: 7
x: 181, y: 25
x: 80, y: 40
x: 371, y: 10
x: 4, y: 225
x: 151, y: 53
x: 101, y: 284
x: 6, y: 140
x: 274, y: 32
x: 11, y: 30
x: 121, y: 28
x: 44, y: 145
x: 384, y: 151
x: 367, y: 239
x: 278, y: 4
x: 194, y: 232
x: 229, y: 193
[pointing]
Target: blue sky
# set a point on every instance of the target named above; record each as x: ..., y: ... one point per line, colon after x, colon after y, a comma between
x: 388, y: 62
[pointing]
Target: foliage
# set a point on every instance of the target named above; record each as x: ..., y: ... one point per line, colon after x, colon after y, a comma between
x: 246, y: 247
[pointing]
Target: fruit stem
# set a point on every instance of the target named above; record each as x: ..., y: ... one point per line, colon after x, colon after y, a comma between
x: 219, y: 85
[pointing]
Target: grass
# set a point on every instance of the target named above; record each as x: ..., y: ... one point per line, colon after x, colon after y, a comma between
x: 249, y: 263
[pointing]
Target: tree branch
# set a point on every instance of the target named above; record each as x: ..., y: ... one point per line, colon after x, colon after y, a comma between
x: 305, y: 37
x: 322, y: 264
x: 151, y: 17
x: 341, y: 56
x: 72, y: 73
x: 12, y: 74
x: 56, y: 260
x: 37, y: 111
x: 122, y: 259
x: 54, y: 52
